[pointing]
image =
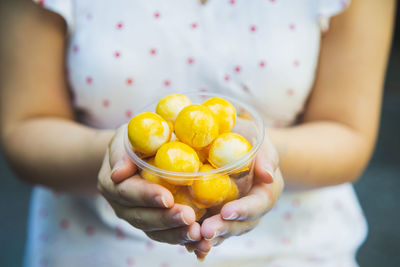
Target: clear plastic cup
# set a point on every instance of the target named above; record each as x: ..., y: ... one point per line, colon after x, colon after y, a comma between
x: 241, y: 172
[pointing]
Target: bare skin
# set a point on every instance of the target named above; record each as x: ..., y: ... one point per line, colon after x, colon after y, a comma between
x: 331, y: 144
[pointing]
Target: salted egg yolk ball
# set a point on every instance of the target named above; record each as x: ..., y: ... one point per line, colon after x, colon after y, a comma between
x: 223, y: 111
x: 147, y: 131
x: 169, y: 106
x: 183, y: 197
x: 177, y: 157
x: 211, y: 189
x: 227, y: 148
x: 196, y: 126
x: 157, y: 180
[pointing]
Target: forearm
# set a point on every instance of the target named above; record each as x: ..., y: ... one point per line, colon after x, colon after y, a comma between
x: 317, y: 154
x: 58, y: 153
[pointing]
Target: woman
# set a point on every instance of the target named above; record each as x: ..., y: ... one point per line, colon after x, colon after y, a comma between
x: 121, y: 55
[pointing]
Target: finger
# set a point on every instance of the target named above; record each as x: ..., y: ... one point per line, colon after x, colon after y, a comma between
x: 259, y: 201
x: 181, y: 235
x: 120, y: 163
x: 215, y: 228
x: 155, y: 219
x: 137, y: 192
x: 267, y: 161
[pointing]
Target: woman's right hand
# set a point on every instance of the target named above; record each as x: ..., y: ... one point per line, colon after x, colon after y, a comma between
x: 146, y: 206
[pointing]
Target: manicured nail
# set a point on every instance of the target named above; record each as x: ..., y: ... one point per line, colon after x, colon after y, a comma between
x: 188, y: 237
x: 180, y: 218
x: 116, y: 166
x: 232, y: 217
x: 161, y: 200
x: 211, y: 238
x: 269, y: 169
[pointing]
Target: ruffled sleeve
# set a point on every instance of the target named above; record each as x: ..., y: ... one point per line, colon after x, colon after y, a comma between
x: 62, y: 7
x: 328, y: 9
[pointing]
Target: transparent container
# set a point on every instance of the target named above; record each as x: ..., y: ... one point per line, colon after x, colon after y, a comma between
x: 241, y: 172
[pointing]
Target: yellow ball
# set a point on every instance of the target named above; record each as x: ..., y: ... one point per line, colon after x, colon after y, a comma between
x: 178, y: 157
x: 169, y: 106
x: 182, y: 196
x: 211, y: 190
x: 233, y: 192
x: 157, y: 180
x: 223, y: 111
x: 147, y: 131
x: 196, y: 126
x: 227, y: 148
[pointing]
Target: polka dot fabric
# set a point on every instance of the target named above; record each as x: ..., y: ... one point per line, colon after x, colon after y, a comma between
x: 124, y: 54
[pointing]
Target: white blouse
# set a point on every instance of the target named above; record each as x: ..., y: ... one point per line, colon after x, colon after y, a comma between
x: 123, y: 54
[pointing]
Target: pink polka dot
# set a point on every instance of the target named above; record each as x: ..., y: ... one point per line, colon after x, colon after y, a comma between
x: 129, y: 81
x: 153, y: 51
x: 89, y: 16
x: 117, y: 54
x: 262, y: 64
x: 43, y: 262
x: 43, y: 213
x: 253, y: 28
x: 204, y: 90
x: 245, y: 88
x: 75, y: 48
x: 296, y: 63
x: 292, y: 27
x: 296, y: 202
x: 289, y: 92
x: 238, y: 69
x: 129, y: 113
x: 249, y: 243
x: 149, y: 245
x: 164, y: 264
x: 119, y: 233
x: 272, y: 1
x: 43, y: 237
x: 194, y: 25
x: 89, y: 80
x: 190, y: 61
x: 232, y: 2
x: 227, y: 78
x: 64, y: 224
x: 181, y: 250
x: 286, y: 240
x: 106, y: 103
x: 156, y: 14
x: 167, y: 83
x: 130, y: 261
x: 89, y: 230
x: 287, y: 216
x: 120, y: 25
x: 41, y: 2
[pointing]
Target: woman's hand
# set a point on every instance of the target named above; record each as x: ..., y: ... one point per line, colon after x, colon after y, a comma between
x: 146, y: 206
x: 241, y: 216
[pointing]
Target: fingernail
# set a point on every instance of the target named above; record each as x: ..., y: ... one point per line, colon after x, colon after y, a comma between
x: 269, y: 169
x: 233, y: 216
x: 161, y: 200
x: 116, y: 166
x: 179, y: 217
x: 211, y: 238
x: 189, y: 237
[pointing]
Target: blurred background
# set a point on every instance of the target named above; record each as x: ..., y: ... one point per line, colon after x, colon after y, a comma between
x: 378, y: 189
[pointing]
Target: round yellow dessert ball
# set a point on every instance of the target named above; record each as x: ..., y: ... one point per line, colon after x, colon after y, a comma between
x: 227, y: 148
x: 182, y: 196
x: 196, y: 126
x: 210, y: 190
x: 169, y: 106
x: 223, y: 111
x: 147, y: 131
x: 178, y: 157
x: 157, y: 180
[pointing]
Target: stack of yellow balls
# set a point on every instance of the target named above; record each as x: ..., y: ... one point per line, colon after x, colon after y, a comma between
x: 186, y: 137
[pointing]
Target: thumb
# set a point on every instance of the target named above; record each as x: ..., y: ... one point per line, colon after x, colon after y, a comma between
x: 266, y: 162
x: 120, y: 163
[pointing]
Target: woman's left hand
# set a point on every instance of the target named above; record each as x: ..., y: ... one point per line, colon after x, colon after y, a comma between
x: 242, y: 215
